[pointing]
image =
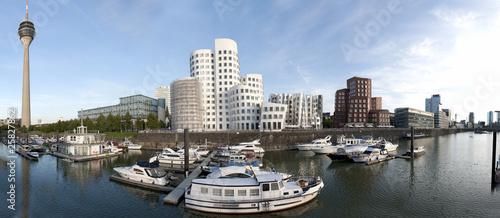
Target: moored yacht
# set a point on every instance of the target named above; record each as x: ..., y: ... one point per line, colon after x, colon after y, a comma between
x: 417, y: 151
x: 315, y: 143
x: 387, y: 145
x: 130, y: 145
x: 144, y: 172
x: 371, y: 154
x: 238, y: 190
x: 342, y: 141
x: 169, y: 156
x: 247, y: 145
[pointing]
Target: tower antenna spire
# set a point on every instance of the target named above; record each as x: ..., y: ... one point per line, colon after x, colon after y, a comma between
x: 26, y: 10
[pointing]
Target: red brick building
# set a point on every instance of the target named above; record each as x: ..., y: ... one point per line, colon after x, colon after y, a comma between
x: 353, y: 104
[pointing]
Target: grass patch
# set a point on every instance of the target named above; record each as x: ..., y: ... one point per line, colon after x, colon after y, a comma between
x: 121, y: 134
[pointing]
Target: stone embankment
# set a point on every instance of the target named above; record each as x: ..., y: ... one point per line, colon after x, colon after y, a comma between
x: 275, y: 140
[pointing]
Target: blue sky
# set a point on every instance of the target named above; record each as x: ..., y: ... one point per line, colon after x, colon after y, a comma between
x: 88, y: 54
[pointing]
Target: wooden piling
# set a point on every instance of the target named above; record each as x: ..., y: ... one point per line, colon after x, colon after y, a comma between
x: 186, y: 152
x: 493, y: 160
x: 412, y: 140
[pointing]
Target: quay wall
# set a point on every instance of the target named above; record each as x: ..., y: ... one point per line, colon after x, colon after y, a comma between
x: 274, y: 140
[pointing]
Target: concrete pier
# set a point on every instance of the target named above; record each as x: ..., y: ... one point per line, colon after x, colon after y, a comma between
x: 176, y: 195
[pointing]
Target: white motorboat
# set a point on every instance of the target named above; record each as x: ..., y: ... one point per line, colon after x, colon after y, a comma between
x: 247, y: 145
x: 371, y: 154
x: 169, y: 156
x: 315, y: 143
x: 33, y: 154
x: 130, y: 145
x: 199, y: 149
x: 387, y: 145
x: 238, y: 190
x: 342, y: 141
x: 24, y: 148
x: 144, y: 172
x: 417, y: 151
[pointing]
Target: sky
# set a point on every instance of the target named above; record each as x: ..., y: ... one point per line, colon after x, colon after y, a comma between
x: 88, y: 54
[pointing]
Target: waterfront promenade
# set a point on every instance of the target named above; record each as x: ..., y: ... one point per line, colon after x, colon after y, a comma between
x: 278, y: 140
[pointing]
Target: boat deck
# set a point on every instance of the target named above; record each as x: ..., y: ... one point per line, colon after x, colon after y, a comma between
x: 381, y: 160
x: 161, y: 188
x: 176, y: 195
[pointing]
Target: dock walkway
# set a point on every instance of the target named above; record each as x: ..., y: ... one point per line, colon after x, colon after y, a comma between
x: 176, y: 195
x: 26, y: 155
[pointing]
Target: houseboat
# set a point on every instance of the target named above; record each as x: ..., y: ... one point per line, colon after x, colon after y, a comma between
x: 238, y: 190
x: 82, y: 143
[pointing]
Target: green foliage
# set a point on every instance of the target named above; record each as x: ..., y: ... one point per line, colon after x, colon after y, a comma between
x: 128, y: 121
x: 153, y: 122
x: 102, y: 125
x: 117, y: 122
x: 139, y: 124
x: 162, y: 124
x: 327, y: 123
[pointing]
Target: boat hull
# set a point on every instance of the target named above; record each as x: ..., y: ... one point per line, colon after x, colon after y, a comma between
x: 137, y: 147
x: 365, y: 159
x: 249, y: 207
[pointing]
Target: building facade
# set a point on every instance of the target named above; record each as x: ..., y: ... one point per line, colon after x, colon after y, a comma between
x: 187, y: 110
x: 379, y: 117
x: 410, y: 117
x: 245, y: 104
x: 441, y: 120
x: 139, y: 107
x: 354, y: 103
x: 433, y: 104
x: 273, y: 116
x: 163, y: 92
x: 304, y: 111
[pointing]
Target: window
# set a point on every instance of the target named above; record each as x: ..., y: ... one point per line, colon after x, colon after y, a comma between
x: 265, y: 187
x: 228, y: 192
x: 217, y: 192
x: 204, y: 190
x: 255, y: 192
x: 274, y: 186
x: 242, y: 192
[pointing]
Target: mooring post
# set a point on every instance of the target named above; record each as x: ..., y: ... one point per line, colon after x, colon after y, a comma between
x: 412, y: 138
x: 493, y: 168
x: 186, y: 152
x: 57, y: 136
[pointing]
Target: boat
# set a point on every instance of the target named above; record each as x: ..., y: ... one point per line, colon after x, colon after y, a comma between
x: 342, y: 141
x: 238, y: 190
x: 171, y: 157
x: 315, y: 143
x: 247, y: 145
x: 346, y: 153
x: 145, y: 172
x: 371, y: 154
x: 417, y: 151
x: 37, y: 148
x: 131, y: 146
x: 24, y: 148
x: 387, y: 145
x: 416, y: 135
x: 199, y: 149
x: 33, y: 154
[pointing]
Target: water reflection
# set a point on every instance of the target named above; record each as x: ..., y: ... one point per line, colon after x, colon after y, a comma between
x: 25, y: 187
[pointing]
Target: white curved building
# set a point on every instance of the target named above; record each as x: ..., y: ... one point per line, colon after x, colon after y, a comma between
x: 245, y: 101
x: 273, y: 116
x: 187, y: 111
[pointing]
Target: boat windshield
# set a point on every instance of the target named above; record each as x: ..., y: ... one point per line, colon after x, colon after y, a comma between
x: 156, y: 173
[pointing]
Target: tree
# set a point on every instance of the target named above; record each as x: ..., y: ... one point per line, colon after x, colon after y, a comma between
x: 168, y: 117
x: 128, y: 121
x: 110, y: 119
x: 327, y: 123
x: 152, y: 121
x: 89, y: 123
x: 162, y: 124
x: 139, y: 124
x: 101, y: 123
x: 117, y: 122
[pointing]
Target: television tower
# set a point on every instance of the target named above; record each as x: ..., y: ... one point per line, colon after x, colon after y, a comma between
x: 26, y: 34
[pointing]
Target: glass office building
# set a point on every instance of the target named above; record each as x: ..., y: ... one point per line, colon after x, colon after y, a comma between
x: 139, y: 106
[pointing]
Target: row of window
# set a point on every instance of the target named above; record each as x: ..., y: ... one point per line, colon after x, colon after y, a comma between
x: 272, y: 116
x: 202, y: 55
